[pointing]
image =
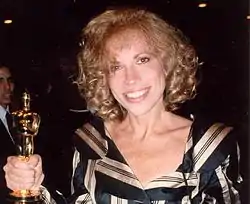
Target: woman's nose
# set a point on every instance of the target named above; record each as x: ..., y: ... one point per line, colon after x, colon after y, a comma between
x: 131, y: 76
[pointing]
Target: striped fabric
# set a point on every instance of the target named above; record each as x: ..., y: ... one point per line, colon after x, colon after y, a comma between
x: 208, y: 174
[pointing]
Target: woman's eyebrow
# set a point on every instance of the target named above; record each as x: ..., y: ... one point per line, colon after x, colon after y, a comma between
x: 143, y: 53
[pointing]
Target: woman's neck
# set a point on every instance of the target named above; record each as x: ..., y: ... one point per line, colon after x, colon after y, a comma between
x: 145, y: 125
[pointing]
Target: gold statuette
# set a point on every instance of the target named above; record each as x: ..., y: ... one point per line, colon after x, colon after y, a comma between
x: 25, y: 127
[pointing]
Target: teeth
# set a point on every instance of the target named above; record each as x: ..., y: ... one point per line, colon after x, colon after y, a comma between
x: 136, y: 94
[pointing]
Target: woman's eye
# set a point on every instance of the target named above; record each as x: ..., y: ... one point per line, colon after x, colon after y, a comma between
x: 115, y: 68
x: 143, y: 60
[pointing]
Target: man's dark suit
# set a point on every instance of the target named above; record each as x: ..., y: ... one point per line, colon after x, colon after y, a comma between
x: 7, y: 148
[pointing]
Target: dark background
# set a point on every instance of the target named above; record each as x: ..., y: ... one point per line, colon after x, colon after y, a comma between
x: 41, y: 43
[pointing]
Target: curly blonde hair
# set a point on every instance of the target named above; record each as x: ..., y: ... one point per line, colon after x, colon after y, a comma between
x: 178, y: 56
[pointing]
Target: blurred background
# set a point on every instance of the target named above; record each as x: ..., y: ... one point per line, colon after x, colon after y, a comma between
x: 39, y: 41
x: 41, y: 38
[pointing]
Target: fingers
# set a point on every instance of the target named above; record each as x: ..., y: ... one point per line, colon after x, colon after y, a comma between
x: 35, y: 160
x: 19, y: 178
x: 38, y: 182
x: 39, y: 176
x: 24, y: 174
x: 16, y: 184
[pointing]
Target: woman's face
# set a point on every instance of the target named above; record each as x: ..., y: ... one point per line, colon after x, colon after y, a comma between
x: 136, y: 75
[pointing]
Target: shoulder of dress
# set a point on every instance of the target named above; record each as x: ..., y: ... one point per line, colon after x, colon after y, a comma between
x: 90, y: 139
x: 212, y: 143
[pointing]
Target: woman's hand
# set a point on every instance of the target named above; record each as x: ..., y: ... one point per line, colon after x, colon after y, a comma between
x: 24, y: 175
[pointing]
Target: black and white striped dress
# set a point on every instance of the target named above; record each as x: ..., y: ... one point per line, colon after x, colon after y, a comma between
x: 208, y: 173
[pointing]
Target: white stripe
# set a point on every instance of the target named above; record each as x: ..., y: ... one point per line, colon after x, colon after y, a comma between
x: 209, y: 150
x: 229, y: 182
x: 101, y: 147
x: 75, y: 161
x: 116, y: 200
x: 90, y: 180
x: 47, y: 199
x: 239, y: 178
x: 185, y: 200
x: 85, y: 197
x: 224, y: 185
x: 196, y: 189
x: 159, y: 202
x: 175, y: 180
x: 118, y: 171
x: 207, y: 198
x: 203, y: 196
x: 189, y: 144
x: 205, y: 139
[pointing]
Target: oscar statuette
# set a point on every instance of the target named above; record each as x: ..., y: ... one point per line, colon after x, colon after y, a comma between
x: 25, y: 127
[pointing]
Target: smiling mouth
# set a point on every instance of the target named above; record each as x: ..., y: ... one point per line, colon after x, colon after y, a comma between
x: 136, y: 96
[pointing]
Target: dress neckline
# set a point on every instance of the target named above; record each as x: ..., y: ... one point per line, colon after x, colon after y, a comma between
x: 175, y: 173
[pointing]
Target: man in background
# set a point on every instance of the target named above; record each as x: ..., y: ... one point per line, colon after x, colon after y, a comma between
x: 7, y: 143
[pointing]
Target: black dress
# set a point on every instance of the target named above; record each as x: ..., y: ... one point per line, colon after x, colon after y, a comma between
x: 208, y: 173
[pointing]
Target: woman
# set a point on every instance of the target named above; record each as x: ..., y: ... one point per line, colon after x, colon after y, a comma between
x: 135, y: 70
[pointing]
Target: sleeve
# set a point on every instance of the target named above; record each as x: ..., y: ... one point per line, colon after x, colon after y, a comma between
x: 224, y: 182
x: 79, y: 193
x: 89, y: 147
